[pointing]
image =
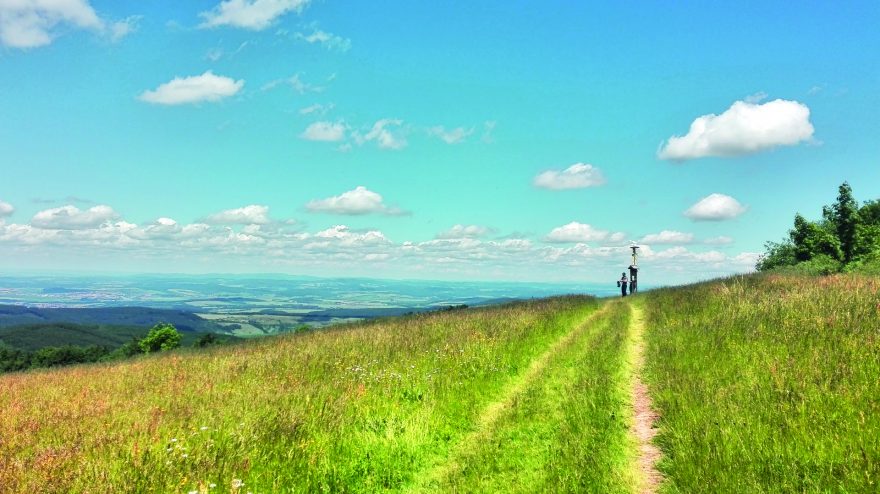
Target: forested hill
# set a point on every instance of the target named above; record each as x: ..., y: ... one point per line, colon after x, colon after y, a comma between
x: 145, y: 317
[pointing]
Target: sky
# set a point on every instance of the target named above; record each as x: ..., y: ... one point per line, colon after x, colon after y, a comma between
x: 519, y: 141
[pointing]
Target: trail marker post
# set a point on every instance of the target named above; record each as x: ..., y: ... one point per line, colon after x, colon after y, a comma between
x: 634, y: 269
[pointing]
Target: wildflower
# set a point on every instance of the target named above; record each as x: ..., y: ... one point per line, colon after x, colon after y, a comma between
x: 184, y: 455
x: 212, y: 485
x: 193, y: 492
x: 203, y: 428
x: 237, y: 483
x: 173, y: 439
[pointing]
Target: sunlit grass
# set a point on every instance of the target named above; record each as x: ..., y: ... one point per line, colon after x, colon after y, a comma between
x: 768, y: 384
x: 361, y: 408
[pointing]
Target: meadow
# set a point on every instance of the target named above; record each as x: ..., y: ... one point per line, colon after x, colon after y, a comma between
x: 767, y: 383
x: 366, y: 407
x: 762, y: 383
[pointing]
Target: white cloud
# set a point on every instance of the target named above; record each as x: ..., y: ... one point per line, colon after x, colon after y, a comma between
x: 72, y: 218
x: 317, y: 109
x: 715, y: 207
x: 668, y: 237
x: 353, y: 202
x: 327, y: 40
x: 452, y: 136
x: 295, y: 82
x: 756, y: 98
x: 324, y: 131
x: 720, y: 240
x: 249, y: 215
x: 6, y: 209
x: 123, y: 28
x: 29, y: 24
x: 617, y: 237
x: 576, y: 232
x: 744, y: 128
x: 347, y: 237
x: 250, y: 14
x: 381, y: 133
x: 488, y: 136
x: 193, y: 89
x: 161, y: 228
x: 465, y: 231
x: 576, y: 176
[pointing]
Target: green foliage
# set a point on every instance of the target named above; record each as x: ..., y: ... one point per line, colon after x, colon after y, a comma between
x: 162, y: 337
x: 776, y: 255
x: 821, y: 265
x: 845, y: 215
x: 846, y: 233
x: 811, y: 239
x: 206, y: 339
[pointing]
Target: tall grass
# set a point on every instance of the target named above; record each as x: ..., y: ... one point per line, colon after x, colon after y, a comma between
x: 362, y: 408
x: 768, y: 383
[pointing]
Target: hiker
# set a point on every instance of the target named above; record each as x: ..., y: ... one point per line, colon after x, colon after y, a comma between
x: 622, y: 284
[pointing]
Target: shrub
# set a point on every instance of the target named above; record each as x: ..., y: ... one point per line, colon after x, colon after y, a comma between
x: 161, y: 337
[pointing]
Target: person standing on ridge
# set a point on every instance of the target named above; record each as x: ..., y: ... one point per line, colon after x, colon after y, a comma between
x: 622, y: 284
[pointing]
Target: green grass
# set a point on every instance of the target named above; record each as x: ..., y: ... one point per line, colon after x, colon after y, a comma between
x: 361, y: 408
x: 768, y: 384
x: 566, y: 431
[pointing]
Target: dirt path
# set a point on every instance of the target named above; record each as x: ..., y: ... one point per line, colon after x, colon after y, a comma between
x: 490, y: 414
x: 643, y: 414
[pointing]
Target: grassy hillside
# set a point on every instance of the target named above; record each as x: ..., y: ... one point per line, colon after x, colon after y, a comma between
x: 768, y: 384
x: 386, y: 405
x: 765, y: 383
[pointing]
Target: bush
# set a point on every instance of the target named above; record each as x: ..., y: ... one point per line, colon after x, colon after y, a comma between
x: 161, y: 337
x: 819, y: 265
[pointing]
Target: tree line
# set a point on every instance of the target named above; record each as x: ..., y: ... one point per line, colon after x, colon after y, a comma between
x: 161, y: 337
x: 845, y: 239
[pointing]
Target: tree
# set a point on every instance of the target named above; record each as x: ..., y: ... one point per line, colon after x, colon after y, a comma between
x: 206, y: 340
x: 776, y: 255
x: 845, y: 214
x: 810, y: 240
x: 161, y: 337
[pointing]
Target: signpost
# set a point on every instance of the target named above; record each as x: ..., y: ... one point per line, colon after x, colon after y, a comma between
x: 634, y: 269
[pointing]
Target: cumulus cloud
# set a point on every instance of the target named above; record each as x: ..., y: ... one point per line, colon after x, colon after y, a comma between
x: 29, y: 24
x: 250, y: 14
x: 452, y: 136
x: 193, y: 89
x: 72, y: 218
x: 576, y: 176
x: 744, y: 128
x: 6, y: 209
x: 324, y: 131
x: 465, y: 231
x: 576, y: 232
x: 359, y: 201
x: 715, y: 207
x: 382, y: 134
x: 668, y: 237
x: 249, y: 215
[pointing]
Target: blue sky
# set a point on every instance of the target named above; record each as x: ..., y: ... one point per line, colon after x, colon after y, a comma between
x: 516, y: 141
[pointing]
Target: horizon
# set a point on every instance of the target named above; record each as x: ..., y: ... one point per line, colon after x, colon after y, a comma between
x: 510, y: 144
